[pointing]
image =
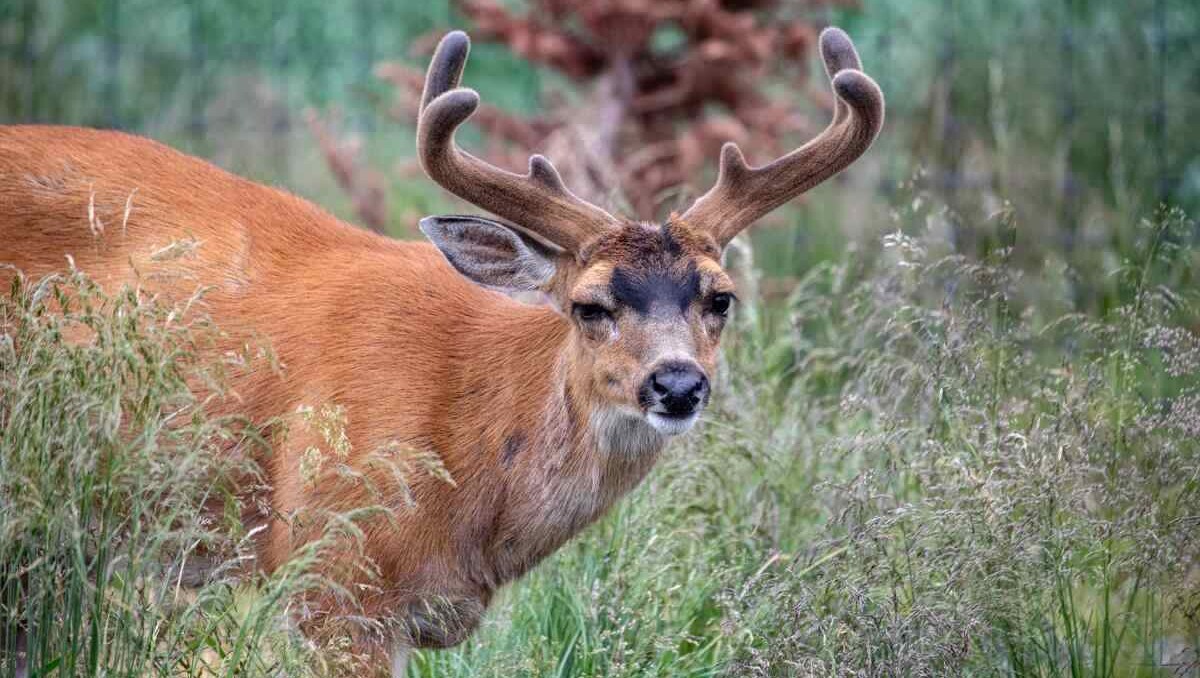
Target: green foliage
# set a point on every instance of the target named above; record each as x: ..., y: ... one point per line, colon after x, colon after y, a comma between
x: 914, y: 474
x: 1010, y: 496
x: 972, y: 451
x: 116, y: 557
x: 1076, y: 112
x: 911, y: 471
x: 1101, y: 90
x: 138, y: 59
x: 229, y: 80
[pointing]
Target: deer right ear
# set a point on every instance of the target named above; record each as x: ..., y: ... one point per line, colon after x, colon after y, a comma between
x: 490, y: 253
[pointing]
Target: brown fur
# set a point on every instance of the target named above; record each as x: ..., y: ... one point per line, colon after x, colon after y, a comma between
x: 510, y: 396
x: 539, y: 414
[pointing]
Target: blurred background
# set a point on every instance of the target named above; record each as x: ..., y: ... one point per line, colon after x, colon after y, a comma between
x: 1073, y: 114
x: 957, y: 431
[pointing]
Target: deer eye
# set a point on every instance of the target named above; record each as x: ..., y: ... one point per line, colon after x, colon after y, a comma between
x: 720, y: 303
x: 590, y: 312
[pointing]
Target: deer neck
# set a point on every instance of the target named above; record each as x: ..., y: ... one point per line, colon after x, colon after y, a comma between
x: 559, y: 456
x: 540, y: 386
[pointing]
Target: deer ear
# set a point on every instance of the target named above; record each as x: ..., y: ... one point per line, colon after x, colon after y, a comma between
x: 490, y: 253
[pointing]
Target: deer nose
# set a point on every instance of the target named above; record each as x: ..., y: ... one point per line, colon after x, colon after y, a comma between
x: 677, y: 387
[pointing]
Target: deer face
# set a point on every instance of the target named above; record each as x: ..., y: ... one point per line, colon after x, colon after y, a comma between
x: 647, y: 303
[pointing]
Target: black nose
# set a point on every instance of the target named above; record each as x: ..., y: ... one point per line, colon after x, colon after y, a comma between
x: 677, y: 387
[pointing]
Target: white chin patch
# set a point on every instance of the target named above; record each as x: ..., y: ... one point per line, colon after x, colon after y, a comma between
x: 671, y: 426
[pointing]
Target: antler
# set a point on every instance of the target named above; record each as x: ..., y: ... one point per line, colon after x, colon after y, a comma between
x: 743, y: 194
x: 537, y: 202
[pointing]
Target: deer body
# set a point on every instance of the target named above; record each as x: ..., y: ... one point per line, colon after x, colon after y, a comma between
x: 542, y: 415
x: 413, y: 351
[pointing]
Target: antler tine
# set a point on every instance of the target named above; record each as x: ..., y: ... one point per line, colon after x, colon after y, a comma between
x: 537, y: 202
x: 743, y: 194
x: 446, y: 66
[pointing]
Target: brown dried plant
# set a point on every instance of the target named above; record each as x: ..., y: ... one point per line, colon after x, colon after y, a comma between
x: 665, y: 83
x: 364, y: 185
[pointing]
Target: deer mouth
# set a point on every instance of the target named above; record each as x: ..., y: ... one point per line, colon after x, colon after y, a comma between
x: 669, y: 424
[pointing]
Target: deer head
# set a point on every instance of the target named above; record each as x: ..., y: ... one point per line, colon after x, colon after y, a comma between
x: 646, y: 302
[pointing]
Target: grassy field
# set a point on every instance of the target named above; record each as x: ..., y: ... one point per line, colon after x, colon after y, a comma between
x: 956, y: 430
x: 904, y: 473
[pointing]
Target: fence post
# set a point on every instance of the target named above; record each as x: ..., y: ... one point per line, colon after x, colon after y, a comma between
x: 278, y: 74
x: 198, y: 71
x: 1068, y: 191
x: 27, y: 58
x: 366, y: 56
x: 950, y: 144
x: 1162, y: 188
x: 883, y: 51
x: 112, y: 61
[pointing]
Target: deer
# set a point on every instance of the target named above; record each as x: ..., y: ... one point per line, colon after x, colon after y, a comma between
x: 547, y: 356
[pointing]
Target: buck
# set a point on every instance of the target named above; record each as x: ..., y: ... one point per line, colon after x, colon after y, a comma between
x: 542, y: 414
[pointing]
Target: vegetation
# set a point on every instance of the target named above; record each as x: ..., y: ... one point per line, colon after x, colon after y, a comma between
x: 909, y: 475
x: 905, y: 474
x: 114, y: 548
x: 957, y: 431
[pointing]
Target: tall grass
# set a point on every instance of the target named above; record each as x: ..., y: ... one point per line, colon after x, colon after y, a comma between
x: 909, y: 473
x: 913, y: 467
x: 121, y: 549
x: 1008, y: 495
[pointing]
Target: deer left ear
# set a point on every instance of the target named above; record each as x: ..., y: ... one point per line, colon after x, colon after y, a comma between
x: 490, y: 253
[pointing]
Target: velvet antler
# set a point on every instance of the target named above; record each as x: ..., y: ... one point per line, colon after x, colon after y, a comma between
x: 537, y: 201
x: 743, y: 194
